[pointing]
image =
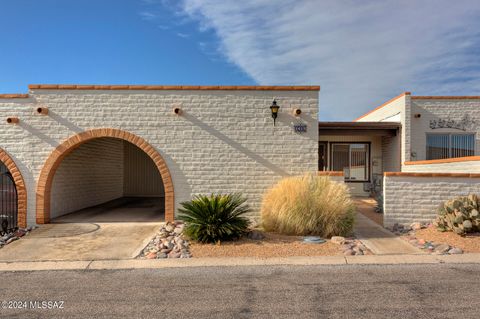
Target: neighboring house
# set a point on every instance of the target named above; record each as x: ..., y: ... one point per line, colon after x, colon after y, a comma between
x: 68, y: 147
x: 416, y: 151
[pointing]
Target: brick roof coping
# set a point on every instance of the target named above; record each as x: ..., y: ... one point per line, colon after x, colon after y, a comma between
x: 412, y: 174
x: 14, y: 96
x: 445, y: 160
x: 173, y: 87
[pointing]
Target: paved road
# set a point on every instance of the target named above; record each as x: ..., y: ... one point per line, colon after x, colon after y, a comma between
x: 415, y: 291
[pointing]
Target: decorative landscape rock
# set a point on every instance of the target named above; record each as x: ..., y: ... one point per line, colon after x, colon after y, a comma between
x: 442, y: 249
x: 167, y: 243
x: 10, y: 237
x: 428, y: 246
x: 337, y: 240
x: 351, y: 246
x: 455, y: 251
x: 255, y: 235
x: 416, y: 226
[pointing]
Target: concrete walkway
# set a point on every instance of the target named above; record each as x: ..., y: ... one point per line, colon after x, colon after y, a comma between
x: 240, y: 261
x: 379, y: 240
x: 119, y: 229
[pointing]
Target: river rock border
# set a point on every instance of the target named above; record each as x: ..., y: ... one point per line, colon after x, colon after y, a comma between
x: 407, y: 233
x: 10, y: 237
x: 168, y: 242
x: 350, y: 246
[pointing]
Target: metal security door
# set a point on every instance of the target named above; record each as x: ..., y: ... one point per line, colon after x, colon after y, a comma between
x: 8, y: 201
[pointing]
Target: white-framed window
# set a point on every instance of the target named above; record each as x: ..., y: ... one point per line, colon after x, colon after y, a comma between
x: 449, y: 145
x: 353, y: 159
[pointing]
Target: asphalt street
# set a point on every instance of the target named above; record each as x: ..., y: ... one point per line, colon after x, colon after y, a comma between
x: 346, y: 291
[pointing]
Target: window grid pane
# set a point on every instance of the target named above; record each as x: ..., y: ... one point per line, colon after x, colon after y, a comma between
x: 352, y: 159
x: 441, y: 146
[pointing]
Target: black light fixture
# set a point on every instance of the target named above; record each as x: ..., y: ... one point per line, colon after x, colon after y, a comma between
x: 274, y: 108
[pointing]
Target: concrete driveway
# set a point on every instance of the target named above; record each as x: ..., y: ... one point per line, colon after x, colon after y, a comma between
x: 115, y: 230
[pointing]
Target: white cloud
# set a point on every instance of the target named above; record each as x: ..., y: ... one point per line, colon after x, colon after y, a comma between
x: 146, y: 15
x: 361, y: 55
x: 183, y: 35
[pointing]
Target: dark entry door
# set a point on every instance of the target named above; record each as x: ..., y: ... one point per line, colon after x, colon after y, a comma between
x: 8, y: 201
x: 322, y: 156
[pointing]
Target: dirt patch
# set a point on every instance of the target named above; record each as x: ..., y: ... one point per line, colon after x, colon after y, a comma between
x: 273, y: 245
x: 469, y: 244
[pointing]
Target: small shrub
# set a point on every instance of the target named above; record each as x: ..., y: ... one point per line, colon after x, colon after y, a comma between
x: 308, y: 205
x: 460, y: 215
x: 215, y: 218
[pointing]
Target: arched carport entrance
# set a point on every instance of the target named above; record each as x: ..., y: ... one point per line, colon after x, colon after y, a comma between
x: 46, y: 177
x: 16, y: 201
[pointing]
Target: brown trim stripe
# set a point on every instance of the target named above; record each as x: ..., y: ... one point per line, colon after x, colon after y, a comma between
x: 451, y: 97
x: 330, y: 173
x: 408, y: 174
x: 445, y: 160
x: 14, y: 96
x: 172, y: 87
x: 383, y: 105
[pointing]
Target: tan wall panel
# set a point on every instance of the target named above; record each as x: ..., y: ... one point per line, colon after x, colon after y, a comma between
x: 141, y: 176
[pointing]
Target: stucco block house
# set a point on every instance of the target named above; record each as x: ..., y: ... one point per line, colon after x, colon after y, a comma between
x: 64, y: 148
x: 414, y: 152
x: 68, y: 147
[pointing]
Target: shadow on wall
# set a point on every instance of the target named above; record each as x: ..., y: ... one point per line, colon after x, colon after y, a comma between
x: 72, y: 127
x: 36, y: 132
x: 181, y: 188
x: 236, y: 145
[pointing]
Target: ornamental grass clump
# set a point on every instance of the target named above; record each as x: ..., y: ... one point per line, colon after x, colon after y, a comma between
x: 308, y: 205
x: 460, y: 215
x: 215, y: 218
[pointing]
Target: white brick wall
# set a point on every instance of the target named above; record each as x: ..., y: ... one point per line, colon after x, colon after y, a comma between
x: 92, y: 174
x: 224, y: 142
x: 455, y: 167
x: 397, y: 110
x: 434, y: 109
x: 409, y: 199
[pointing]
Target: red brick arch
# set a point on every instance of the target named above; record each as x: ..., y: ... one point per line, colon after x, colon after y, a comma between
x: 20, y: 185
x: 45, y: 179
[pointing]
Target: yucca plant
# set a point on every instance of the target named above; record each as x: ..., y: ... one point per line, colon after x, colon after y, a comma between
x: 215, y: 218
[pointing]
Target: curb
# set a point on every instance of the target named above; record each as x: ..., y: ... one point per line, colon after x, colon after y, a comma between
x: 239, y: 261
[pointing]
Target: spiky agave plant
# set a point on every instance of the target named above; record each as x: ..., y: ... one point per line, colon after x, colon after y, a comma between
x: 214, y: 218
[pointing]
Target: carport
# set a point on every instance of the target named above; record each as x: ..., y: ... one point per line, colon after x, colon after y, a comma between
x: 107, y: 180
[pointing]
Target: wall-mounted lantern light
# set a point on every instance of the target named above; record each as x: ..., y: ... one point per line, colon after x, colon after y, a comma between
x: 177, y: 111
x: 274, y: 108
x: 417, y: 115
x: 297, y: 112
x: 12, y: 120
x: 42, y: 110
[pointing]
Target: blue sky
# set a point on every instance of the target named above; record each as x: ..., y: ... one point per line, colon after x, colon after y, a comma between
x: 361, y: 55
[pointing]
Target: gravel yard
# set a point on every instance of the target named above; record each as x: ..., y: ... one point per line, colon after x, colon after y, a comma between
x: 273, y: 245
x: 469, y: 243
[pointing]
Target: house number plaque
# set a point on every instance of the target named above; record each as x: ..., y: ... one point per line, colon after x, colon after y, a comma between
x: 300, y: 128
